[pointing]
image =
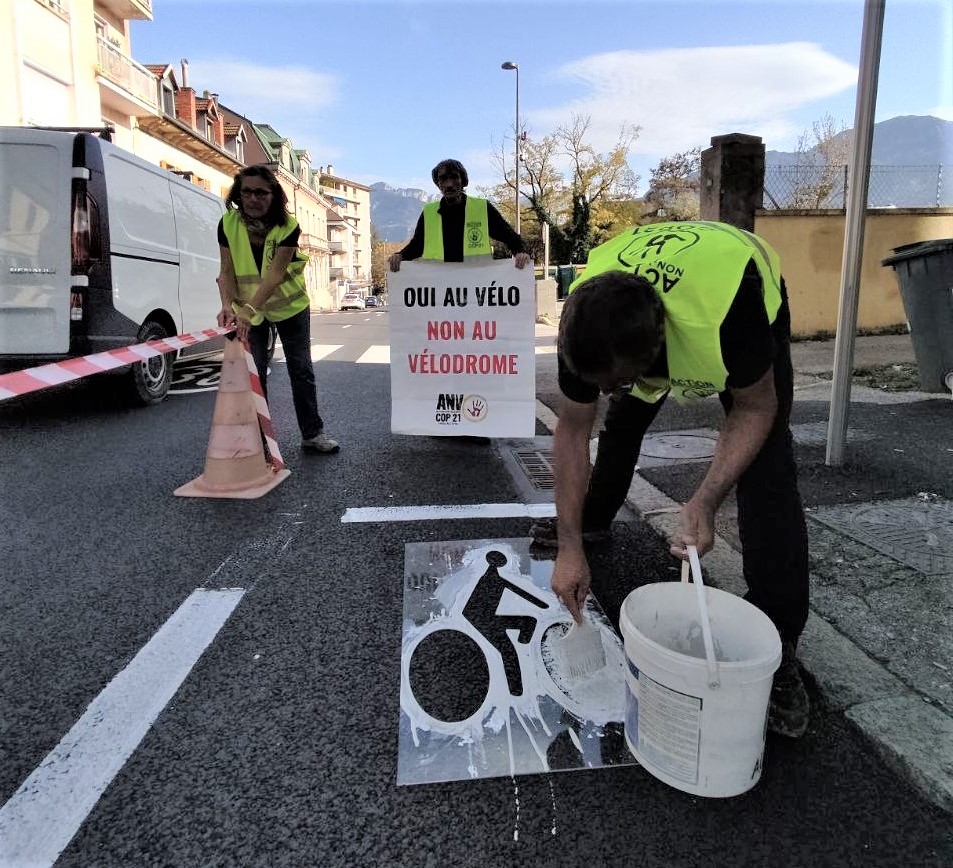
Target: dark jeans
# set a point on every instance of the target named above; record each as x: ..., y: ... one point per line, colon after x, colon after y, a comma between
x: 295, y: 335
x: 770, y: 516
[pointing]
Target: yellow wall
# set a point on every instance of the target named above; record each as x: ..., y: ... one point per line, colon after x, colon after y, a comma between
x: 811, y: 247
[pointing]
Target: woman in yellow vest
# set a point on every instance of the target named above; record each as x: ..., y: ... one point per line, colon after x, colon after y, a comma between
x: 690, y: 309
x: 262, y: 283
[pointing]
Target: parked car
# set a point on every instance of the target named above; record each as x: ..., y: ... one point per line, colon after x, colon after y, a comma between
x: 371, y: 301
x: 352, y: 301
x: 100, y: 249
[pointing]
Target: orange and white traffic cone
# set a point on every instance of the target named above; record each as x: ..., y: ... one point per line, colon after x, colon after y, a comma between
x: 235, y: 463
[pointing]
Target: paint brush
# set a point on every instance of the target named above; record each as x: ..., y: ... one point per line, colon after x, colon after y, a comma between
x: 581, y: 648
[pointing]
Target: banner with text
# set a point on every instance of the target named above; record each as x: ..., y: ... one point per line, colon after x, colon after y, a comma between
x: 462, y: 349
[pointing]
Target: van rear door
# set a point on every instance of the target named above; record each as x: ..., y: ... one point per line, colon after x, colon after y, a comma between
x: 35, y: 180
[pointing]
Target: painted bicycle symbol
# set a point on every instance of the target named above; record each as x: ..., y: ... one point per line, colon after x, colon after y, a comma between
x: 490, y: 604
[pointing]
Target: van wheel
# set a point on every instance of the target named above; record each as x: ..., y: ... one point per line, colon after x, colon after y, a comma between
x: 148, y: 382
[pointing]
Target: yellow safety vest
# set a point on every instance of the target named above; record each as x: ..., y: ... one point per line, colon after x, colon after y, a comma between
x: 476, y: 230
x: 290, y: 296
x: 696, y: 268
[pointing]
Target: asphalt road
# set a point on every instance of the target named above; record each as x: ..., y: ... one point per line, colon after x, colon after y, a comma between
x: 280, y: 746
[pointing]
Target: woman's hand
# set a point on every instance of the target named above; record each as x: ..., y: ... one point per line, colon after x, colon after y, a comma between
x: 522, y: 260
x: 393, y: 261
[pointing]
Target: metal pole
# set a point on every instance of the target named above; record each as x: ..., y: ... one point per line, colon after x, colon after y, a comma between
x: 517, y: 150
x: 508, y: 65
x: 545, y: 251
x: 854, y: 230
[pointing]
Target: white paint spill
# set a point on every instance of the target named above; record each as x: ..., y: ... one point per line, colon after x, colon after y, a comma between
x: 516, y: 797
x: 434, y: 513
x: 43, y: 815
x: 552, y: 793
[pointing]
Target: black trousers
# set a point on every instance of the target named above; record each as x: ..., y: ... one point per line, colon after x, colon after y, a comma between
x: 770, y: 515
x: 295, y: 336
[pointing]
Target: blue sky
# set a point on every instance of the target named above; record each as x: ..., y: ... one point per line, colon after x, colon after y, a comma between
x: 383, y: 89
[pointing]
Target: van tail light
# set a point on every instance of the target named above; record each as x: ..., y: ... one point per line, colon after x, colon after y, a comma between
x: 80, y: 233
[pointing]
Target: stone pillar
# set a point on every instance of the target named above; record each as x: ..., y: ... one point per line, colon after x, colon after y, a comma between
x: 546, y: 299
x: 732, y: 179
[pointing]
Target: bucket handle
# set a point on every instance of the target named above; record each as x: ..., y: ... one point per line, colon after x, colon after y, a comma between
x: 714, y: 681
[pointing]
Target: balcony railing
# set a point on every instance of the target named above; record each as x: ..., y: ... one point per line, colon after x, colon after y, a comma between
x: 336, y: 246
x: 128, y: 74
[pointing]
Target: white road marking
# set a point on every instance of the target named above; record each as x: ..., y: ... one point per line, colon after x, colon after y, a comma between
x: 465, y: 510
x: 376, y: 354
x: 545, y: 351
x: 43, y: 815
x: 322, y: 351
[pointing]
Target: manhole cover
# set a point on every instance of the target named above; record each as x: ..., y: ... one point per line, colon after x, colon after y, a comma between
x: 537, y: 464
x: 676, y: 447
x: 918, y: 533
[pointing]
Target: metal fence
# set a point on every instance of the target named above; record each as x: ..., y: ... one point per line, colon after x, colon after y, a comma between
x: 813, y: 187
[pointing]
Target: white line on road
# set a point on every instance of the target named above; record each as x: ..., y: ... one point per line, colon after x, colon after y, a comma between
x: 431, y: 513
x: 43, y: 815
x: 376, y: 354
x: 321, y: 351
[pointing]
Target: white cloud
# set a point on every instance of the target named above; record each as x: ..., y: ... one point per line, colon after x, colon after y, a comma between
x: 682, y: 97
x: 289, y: 98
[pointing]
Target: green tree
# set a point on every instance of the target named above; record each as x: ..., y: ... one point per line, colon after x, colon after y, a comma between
x: 380, y: 251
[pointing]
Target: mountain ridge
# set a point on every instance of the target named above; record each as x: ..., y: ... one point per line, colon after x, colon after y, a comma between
x: 904, y: 140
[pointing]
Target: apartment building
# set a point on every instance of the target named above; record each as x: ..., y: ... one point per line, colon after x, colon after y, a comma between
x: 69, y: 63
x: 350, y: 228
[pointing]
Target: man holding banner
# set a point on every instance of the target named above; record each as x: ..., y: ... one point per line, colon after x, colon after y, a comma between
x: 458, y: 227
x: 462, y: 335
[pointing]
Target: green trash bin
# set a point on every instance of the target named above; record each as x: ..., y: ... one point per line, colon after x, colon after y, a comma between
x: 565, y: 274
x: 925, y: 273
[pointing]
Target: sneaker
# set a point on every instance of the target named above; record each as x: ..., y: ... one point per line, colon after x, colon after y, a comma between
x: 544, y: 533
x: 789, y: 709
x: 320, y: 443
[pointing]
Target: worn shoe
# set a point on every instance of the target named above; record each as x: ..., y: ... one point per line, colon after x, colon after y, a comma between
x: 789, y: 709
x: 320, y: 443
x: 544, y: 533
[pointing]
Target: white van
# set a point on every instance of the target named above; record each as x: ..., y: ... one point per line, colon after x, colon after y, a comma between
x: 100, y: 249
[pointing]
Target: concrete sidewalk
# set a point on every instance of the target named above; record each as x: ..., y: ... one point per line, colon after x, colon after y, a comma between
x: 878, y: 644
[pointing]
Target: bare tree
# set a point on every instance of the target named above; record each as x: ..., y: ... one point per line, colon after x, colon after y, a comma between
x: 821, y: 163
x: 674, y: 189
x: 584, y: 196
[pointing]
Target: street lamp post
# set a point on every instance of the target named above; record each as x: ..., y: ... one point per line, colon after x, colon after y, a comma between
x: 512, y: 64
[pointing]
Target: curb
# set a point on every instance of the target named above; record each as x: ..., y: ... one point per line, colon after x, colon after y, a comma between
x: 913, y: 737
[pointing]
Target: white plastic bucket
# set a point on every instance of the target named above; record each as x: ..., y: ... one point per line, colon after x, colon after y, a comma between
x: 704, y: 740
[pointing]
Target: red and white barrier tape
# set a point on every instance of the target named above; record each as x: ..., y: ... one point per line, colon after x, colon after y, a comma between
x: 261, y: 407
x: 23, y: 382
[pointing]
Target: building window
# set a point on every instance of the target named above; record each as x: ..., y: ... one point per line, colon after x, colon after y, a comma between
x: 168, y: 100
x: 209, y: 132
x: 239, y: 150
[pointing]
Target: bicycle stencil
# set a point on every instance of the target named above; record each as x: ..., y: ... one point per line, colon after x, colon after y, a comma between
x: 482, y: 692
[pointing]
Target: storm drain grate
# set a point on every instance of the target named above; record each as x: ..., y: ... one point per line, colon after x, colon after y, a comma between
x: 537, y: 464
x: 917, y: 532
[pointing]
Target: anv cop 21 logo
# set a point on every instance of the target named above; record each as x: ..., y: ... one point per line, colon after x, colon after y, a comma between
x: 474, y: 234
x: 452, y: 409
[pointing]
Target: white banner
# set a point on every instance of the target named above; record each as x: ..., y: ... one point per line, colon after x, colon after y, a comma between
x: 462, y: 340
